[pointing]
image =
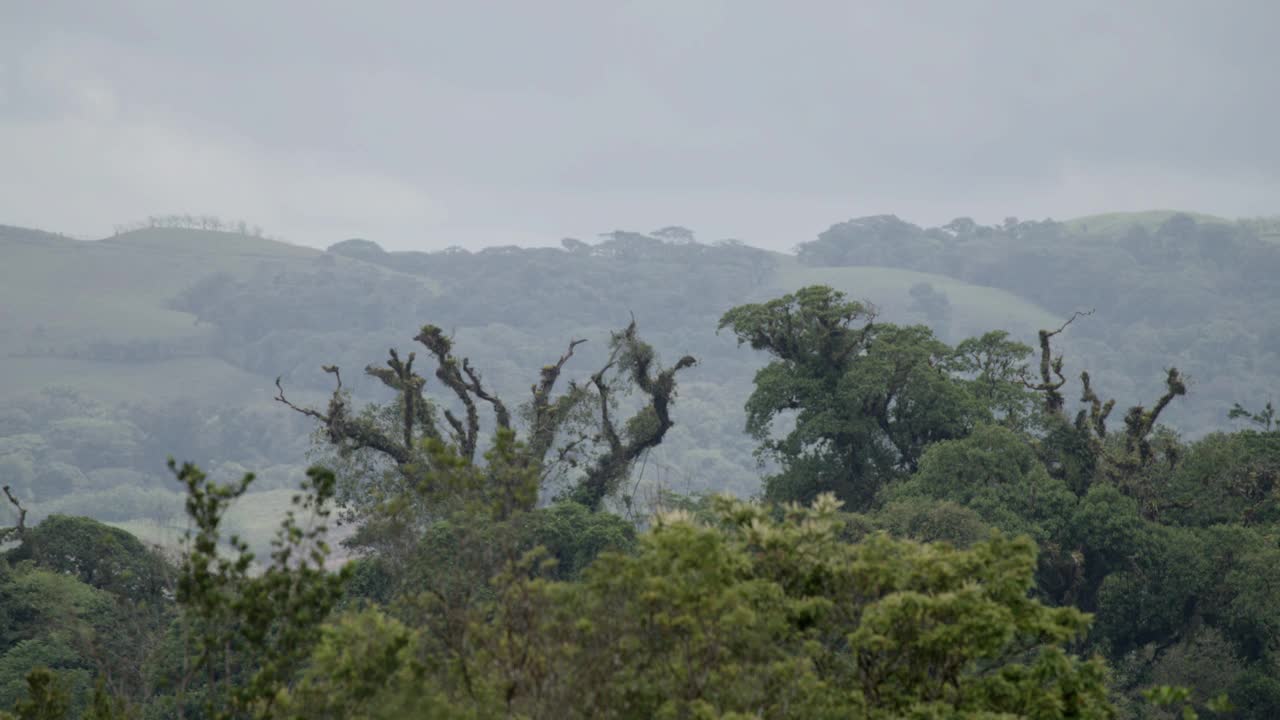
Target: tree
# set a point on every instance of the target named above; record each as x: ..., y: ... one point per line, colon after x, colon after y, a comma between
x: 756, y: 614
x: 98, y: 555
x: 558, y: 434
x: 867, y: 399
x: 996, y: 368
x: 1265, y: 419
x: 934, y: 305
x: 1122, y: 460
x: 246, y: 632
x: 995, y: 472
x: 45, y: 700
x: 1227, y: 479
x: 435, y: 518
x: 675, y: 234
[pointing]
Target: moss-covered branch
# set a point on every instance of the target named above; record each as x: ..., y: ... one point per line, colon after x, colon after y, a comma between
x: 635, y: 359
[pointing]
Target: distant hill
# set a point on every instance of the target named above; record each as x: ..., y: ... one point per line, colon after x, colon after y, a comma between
x: 1166, y: 289
x: 93, y: 337
x: 976, y: 308
x: 1114, y: 225
x: 72, y: 311
x: 1117, y: 223
x: 118, y: 352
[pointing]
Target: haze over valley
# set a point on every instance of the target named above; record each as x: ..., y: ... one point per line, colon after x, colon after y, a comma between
x: 631, y: 360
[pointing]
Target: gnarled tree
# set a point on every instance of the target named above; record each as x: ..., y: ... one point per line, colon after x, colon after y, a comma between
x: 867, y: 397
x: 562, y: 431
x: 1123, y: 461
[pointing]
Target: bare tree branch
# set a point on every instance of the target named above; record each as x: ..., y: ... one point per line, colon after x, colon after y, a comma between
x: 459, y: 432
x: 434, y: 339
x: 1098, y: 411
x: 547, y: 417
x: 345, y: 432
x: 646, y: 429
x: 1050, y: 366
x: 502, y: 417
x: 1139, y: 422
x: 1074, y: 316
x: 21, y: 527
x: 606, y: 423
x: 309, y: 412
x: 631, y: 360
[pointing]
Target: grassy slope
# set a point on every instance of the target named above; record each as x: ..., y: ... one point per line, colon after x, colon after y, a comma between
x: 118, y: 288
x: 57, y: 293
x: 1108, y: 224
x: 1116, y: 224
x: 69, y: 292
x: 975, y: 309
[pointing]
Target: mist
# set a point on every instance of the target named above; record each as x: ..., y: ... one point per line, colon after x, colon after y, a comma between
x: 632, y: 360
x: 425, y: 125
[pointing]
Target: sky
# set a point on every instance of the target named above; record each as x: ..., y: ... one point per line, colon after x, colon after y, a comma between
x: 422, y: 125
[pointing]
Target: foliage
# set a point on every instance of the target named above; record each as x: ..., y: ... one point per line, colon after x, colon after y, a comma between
x: 1265, y: 419
x: 995, y: 473
x: 490, y: 576
x: 867, y: 399
x: 753, y: 616
x: 1123, y: 530
x: 98, y: 555
x: 251, y: 631
x: 1163, y: 285
x: 46, y: 700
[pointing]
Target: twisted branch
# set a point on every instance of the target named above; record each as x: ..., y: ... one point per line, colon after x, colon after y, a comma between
x: 1050, y: 366
x: 21, y: 528
x: 344, y: 431
x: 465, y: 435
x: 646, y: 429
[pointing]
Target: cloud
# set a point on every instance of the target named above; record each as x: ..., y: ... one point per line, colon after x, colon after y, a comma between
x: 430, y: 124
x: 81, y: 160
x: 83, y: 175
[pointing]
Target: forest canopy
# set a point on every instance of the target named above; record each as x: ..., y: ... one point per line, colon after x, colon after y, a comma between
x: 1024, y: 470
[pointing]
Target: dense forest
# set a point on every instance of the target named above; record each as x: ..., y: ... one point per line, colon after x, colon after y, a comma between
x: 1022, y: 470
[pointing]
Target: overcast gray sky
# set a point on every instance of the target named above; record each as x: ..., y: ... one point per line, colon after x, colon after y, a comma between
x: 427, y: 124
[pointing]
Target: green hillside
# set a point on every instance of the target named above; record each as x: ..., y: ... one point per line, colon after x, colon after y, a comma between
x: 976, y: 308
x: 89, y: 331
x: 119, y: 287
x: 1116, y: 223
x: 68, y: 307
x: 168, y: 340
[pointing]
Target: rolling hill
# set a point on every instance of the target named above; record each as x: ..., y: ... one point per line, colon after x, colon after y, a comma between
x: 118, y: 352
x: 976, y: 308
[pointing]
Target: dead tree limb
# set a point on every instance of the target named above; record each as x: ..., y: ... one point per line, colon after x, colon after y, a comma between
x: 635, y: 360
x: 1139, y: 422
x: 551, y: 417
x: 547, y: 417
x: 21, y: 528
x: 466, y: 434
x: 501, y: 416
x: 1050, y: 366
x: 1098, y: 411
x: 1124, y: 465
x: 345, y: 432
x: 399, y: 376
